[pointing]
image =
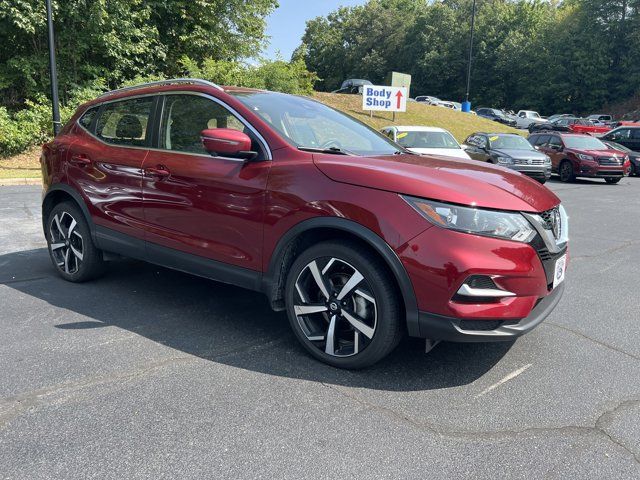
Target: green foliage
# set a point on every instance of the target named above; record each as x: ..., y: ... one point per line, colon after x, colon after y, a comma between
x: 117, y: 40
x: 569, y: 56
x: 277, y: 75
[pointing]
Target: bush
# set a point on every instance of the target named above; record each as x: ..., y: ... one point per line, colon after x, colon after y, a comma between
x: 33, y: 124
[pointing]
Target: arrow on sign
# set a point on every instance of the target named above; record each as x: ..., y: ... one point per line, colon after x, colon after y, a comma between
x: 399, y: 97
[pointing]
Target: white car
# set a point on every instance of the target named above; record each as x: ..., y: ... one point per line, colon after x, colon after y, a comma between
x: 526, y: 117
x: 426, y: 141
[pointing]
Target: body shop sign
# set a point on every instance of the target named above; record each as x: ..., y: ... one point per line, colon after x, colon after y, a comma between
x: 383, y: 98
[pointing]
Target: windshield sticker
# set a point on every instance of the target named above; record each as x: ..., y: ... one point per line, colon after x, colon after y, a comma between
x: 402, y: 135
x: 493, y: 139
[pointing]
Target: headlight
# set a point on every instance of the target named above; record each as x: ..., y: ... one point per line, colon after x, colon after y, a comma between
x: 582, y: 156
x: 489, y: 223
x: 547, y: 160
x: 505, y: 160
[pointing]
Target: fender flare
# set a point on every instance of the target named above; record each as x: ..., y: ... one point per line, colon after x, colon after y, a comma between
x: 368, y: 236
x: 57, y: 187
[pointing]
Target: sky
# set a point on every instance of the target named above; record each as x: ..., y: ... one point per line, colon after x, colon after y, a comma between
x: 286, y: 25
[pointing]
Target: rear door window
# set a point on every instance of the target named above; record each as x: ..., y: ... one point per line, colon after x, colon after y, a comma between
x: 125, y: 122
x: 542, y: 140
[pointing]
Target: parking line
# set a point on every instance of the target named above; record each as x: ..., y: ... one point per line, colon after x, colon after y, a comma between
x: 511, y: 376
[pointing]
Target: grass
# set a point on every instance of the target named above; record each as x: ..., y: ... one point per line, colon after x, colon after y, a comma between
x: 24, y: 165
x: 461, y: 125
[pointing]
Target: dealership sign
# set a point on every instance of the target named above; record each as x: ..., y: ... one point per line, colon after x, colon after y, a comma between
x: 383, y: 98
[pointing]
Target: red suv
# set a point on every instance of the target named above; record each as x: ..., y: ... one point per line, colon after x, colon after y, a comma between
x: 359, y: 240
x: 579, y: 155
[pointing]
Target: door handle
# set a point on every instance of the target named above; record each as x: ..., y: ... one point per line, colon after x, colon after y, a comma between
x: 79, y: 159
x: 158, y: 171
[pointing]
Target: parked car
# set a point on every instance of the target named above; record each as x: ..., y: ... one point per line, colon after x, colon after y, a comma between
x: 448, y: 104
x: 353, y: 86
x: 577, y: 155
x: 559, y: 115
x: 600, y: 119
x: 511, y: 151
x: 527, y: 117
x: 426, y: 140
x: 627, y: 136
x: 561, y: 124
x: 427, y: 99
x: 495, y: 115
x: 356, y: 238
x: 634, y: 157
x: 588, y: 128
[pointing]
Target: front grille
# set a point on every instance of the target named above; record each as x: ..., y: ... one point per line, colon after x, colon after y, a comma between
x: 547, y: 258
x: 524, y: 161
x: 547, y: 218
x: 610, y: 160
x: 480, y: 325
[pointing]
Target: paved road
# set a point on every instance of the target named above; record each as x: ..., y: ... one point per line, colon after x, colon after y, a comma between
x: 149, y: 373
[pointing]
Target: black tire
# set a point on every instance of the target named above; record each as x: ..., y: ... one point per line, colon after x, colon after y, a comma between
x: 386, y: 330
x: 632, y: 170
x: 566, y: 172
x: 612, y: 180
x: 542, y: 181
x: 71, y: 248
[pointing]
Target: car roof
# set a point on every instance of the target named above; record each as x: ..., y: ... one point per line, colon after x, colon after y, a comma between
x: 416, y: 128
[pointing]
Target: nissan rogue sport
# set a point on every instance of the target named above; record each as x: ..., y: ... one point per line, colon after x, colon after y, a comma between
x: 359, y: 240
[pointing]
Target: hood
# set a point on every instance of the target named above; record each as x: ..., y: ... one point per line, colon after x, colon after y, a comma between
x: 443, y: 152
x: 519, y: 154
x: 441, y: 178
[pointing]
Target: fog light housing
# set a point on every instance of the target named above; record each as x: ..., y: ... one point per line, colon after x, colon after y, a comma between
x: 480, y: 289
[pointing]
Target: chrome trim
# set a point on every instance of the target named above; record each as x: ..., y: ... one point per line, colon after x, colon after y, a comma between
x: 467, y: 291
x: 553, y: 244
x: 246, y: 123
x: 170, y: 81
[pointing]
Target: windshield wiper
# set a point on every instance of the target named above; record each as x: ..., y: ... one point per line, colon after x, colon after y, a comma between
x: 334, y: 150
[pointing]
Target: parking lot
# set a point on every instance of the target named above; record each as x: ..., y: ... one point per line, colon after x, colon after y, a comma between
x: 149, y: 372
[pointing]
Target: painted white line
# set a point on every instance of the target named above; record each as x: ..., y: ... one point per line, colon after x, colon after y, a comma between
x: 511, y: 376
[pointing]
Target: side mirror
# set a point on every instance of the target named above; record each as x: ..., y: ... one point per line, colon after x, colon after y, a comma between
x: 226, y: 142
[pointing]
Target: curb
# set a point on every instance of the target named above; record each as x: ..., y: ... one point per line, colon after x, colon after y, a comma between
x: 6, y: 182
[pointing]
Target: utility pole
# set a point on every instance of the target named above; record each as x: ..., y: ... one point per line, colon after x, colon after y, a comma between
x: 473, y: 23
x: 52, y: 72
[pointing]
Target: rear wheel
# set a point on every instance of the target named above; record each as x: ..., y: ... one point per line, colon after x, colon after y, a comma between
x: 71, y: 248
x: 612, y: 180
x: 566, y: 172
x: 342, y: 305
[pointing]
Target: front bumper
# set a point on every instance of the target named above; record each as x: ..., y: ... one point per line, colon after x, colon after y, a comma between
x: 594, y: 170
x: 537, y: 172
x: 451, y: 329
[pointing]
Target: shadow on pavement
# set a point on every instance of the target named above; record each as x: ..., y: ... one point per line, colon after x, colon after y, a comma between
x: 228, y: 325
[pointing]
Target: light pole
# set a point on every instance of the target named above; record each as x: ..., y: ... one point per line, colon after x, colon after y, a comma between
x: 52, y: 72
x: 473, y: 23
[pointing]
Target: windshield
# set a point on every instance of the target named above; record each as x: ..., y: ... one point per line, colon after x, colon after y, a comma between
x: 584, y: 143
x: 498, y: 113
x: 617, y: 146
x: 427, y: 140
x: 306, y: 123
x: 513, y: 142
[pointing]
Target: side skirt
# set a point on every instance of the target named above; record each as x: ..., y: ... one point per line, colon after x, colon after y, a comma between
x: 115, y: 242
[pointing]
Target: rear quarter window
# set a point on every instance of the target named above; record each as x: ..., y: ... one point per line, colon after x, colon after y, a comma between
x: 87, y: 118
x: 125, y: 122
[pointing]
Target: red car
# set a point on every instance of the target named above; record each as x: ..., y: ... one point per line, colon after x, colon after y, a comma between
x: 578, y: 155
x: 359, y: 240
x: 589, y: 128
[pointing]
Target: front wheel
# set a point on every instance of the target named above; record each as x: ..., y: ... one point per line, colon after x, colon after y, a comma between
x: 343, y: 305
x: 566, y: 172
x: 71, y: 248
x: 612, y: 180
x: 633, y: 171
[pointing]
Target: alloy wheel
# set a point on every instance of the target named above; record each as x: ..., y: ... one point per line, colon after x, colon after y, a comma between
x: 335, y: 307
x: 67, y: 244
x: 566, y: 171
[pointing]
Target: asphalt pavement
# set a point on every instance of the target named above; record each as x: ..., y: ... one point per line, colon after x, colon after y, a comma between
x: 151, y: 373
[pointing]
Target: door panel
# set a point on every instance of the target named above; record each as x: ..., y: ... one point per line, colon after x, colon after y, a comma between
x: 107, y: 167
x: 207, y: 206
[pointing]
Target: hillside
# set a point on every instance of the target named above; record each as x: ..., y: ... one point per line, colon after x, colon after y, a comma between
x: 461, y: 125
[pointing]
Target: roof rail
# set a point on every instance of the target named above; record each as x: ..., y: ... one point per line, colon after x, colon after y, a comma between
x: 171, y: 81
